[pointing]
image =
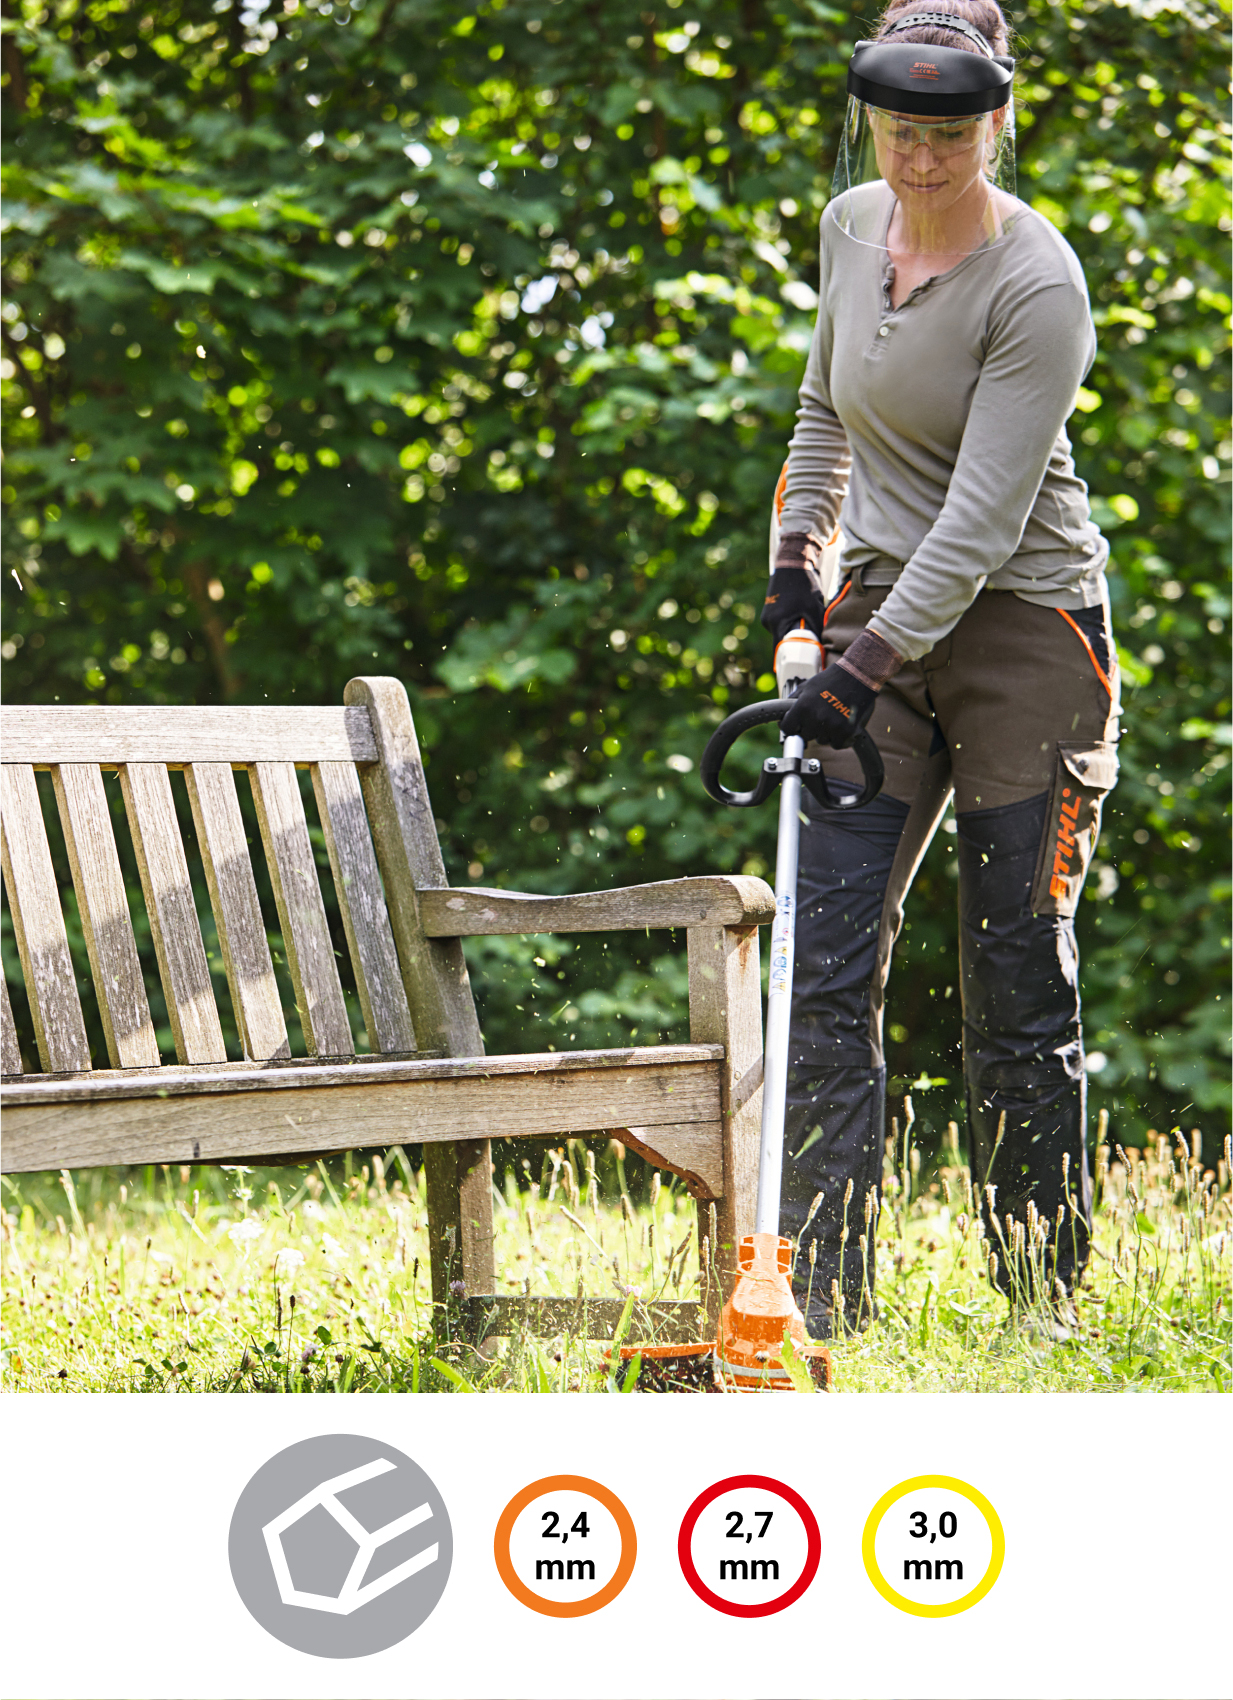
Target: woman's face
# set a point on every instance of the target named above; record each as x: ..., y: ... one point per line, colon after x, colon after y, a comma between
x: 930, y: 163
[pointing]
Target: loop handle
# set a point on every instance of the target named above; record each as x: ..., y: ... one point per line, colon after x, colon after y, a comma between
x: 761, y: 714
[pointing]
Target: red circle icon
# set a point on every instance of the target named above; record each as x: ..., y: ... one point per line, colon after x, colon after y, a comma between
x: 805, y: 1575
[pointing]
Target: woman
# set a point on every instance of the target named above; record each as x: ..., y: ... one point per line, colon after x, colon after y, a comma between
x: 970, y: 634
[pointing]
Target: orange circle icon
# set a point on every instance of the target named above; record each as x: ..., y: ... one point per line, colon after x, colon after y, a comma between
x: 543, y: 1603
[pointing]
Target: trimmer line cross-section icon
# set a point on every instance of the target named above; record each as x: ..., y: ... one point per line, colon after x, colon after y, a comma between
x: 352, y: 1595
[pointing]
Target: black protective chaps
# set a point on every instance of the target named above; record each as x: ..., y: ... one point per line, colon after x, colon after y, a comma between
x: 1022, y: 1044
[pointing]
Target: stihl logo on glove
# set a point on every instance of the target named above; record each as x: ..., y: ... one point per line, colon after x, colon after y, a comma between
x: 829, y: 696
x: 1065, y: 848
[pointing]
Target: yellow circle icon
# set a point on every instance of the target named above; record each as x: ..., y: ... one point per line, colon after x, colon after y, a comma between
x: 915, y: 1541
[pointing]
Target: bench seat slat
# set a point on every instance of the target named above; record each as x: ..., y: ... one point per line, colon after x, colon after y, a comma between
x: 105, y: 920
x: 51, y: 983
x: 237, y: 911
x: 172, y: 910
x: 357, y: 882
x: 301, y: 912
x: 172, y: 1081
x: 285, y: 1110
x: 112, y: 737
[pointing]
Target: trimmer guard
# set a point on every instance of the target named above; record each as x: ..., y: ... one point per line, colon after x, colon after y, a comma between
x: 753, y: 1323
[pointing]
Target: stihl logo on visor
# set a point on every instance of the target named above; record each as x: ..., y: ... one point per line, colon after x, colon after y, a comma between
x: 924, y: 68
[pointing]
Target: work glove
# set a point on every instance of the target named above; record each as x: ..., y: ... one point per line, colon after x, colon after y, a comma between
x: 835, y: 704
x: 830, y: 708
x: 791, y: 597
x: 791, y: 601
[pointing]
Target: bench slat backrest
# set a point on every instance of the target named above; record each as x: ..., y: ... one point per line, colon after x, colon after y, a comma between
x: 51, y: 984
x: 340, y: 804
x: 172, y: 912
x: 105, y: 920
x: 301, y: 913
x: 379, y: 832
x: 237, y: 911
x: 10, y: 1050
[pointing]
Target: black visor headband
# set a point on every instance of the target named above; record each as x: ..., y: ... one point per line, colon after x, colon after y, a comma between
x: 936, y: 82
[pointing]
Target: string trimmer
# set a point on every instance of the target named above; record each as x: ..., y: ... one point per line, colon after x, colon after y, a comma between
x: 762, y: 1311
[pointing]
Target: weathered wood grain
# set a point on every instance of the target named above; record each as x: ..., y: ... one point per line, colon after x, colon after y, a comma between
x: 718, y: 900
x: 30, y: 879
x: 237, y: 912
x: 693, y: 1150
x: 725, y: 1008
x: 692, y: 1109
x: 74, y: 1130
x: 458, y: 1180
x: 172, y: 912
x: 112, y: 737
x: 10, y: 1050
x: 213, y: 1079
x: 361, y: 899
x: 405, y: 835
x: 434, y: 971
x: 301, y: 913
x: 105, y: 920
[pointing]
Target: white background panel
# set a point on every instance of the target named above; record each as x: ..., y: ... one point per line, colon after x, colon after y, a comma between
x: 1115, y: 1585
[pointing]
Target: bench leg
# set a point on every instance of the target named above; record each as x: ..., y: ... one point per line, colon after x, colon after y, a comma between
x: 725, y: 1008
x: 460, y: 1229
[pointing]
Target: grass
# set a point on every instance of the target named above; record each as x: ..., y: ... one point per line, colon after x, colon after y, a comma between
x: 197, y: 1279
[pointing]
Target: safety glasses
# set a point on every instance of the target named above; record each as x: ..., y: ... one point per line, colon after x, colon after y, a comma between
x: 944, y: 137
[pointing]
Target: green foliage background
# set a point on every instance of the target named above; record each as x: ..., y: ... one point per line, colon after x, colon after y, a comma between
x: 314, y: 314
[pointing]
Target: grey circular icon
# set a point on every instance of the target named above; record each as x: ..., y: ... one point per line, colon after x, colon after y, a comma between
x: 340, y: 1546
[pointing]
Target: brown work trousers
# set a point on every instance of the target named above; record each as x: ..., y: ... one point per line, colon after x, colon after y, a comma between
x: 1015, y: 713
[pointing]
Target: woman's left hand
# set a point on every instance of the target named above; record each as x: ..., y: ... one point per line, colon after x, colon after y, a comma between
x: 830, y: 708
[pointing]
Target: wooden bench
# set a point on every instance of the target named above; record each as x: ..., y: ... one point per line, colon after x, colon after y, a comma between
x: 693, y: 1109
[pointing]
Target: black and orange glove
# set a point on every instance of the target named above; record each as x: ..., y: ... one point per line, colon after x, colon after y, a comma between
x: 791, y: 599
x: 836, y: 703
x: 829, y: 708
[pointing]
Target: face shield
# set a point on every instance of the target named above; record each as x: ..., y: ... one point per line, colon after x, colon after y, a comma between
x: 927, y: 161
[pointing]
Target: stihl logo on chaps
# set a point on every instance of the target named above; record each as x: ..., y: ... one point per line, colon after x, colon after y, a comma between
x: 1065, y: 847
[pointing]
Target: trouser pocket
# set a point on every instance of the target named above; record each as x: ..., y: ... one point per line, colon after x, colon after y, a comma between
x: 1084, y: 774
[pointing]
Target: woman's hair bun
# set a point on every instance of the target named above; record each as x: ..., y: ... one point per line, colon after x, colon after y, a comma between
x: 983, y: 15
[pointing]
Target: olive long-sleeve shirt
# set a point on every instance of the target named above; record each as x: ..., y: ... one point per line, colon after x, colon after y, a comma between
x: 935, y: 432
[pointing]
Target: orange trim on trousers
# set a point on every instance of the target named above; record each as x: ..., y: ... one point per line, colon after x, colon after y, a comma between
x: 1083, y: 639
x: 847, y: 587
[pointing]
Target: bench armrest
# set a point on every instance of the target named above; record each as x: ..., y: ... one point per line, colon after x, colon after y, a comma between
x: 713, y: 900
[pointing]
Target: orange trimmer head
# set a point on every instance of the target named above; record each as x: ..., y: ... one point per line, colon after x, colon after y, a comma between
x: 755, y: 1320
x: 748, y: 1356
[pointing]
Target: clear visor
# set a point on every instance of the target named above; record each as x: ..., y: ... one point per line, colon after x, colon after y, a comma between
x: 912, y: 184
